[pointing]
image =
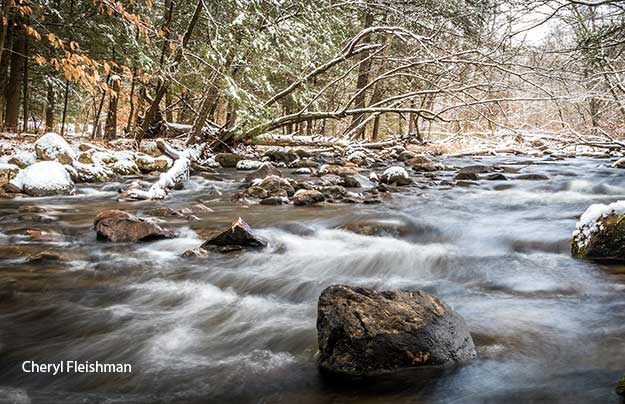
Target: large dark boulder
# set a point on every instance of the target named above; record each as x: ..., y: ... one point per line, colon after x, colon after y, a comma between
x: 238, y: 237
x: 120, y: 226
x: 363, y: 332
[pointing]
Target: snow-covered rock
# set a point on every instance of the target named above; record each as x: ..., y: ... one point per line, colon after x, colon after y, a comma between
x: 396, y: 175
x: 147, y: 163
x: 22, y: 159
x: 248, y: 165
x: 89, y: 172
x: 125, y: 167
x: 8, y: 172
x: 52, y: 147
x: 600, y: 233
x: 44, y: 179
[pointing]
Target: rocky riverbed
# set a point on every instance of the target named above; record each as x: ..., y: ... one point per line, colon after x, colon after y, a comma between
x: 492, y: 243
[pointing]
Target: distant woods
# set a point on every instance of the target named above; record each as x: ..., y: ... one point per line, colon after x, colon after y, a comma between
x: 234, y: 70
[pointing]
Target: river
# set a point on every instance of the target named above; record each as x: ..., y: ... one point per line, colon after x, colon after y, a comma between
x: 241, y: 328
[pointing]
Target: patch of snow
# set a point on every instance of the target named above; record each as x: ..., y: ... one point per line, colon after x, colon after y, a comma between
x: 42, y: 177
x: 590, y: 221
x: 357, y: 155
x: 249, y: 165
x: 395, y: 171
x: 52, y: 145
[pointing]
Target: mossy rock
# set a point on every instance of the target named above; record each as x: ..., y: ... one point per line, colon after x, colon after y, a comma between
x: 605, y: 244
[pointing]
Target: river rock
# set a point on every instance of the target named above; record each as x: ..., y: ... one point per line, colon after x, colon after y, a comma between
x: 281, y: 156
x: 147, y: 163
x: 496, y: 177
x: 274, y: 200
x: 476, y: 169
x: 532, y: 177
x: 228, y: 160
x: 600, y: 233
x: 396, y: 175
x: 303, y: 171
x: 238, y: 237
x: 307, y: 197
x: 422, y: 163
x: 45, y: 257
x: 274, y: 186
x: 362, y: 332
x: 330, y: 179
x: 120, y: 226
x: 304, y: 163
x: 52, y: 147
x: 248, y: 165
x: 7, y: 172
x: 462, y: 176
x: 264, y: 171
x: 333, y: 192
x: 337, y: 170
x: 23, y: 159
x: 89, y: 172
x: 125, y: 167
x: 406, y: 155
x: 350, y: 181
x: 44, y: 179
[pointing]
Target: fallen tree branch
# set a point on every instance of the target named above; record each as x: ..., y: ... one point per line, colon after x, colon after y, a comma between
x: 178, y: 172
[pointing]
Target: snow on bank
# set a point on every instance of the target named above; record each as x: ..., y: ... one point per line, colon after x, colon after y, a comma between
x: 590, y: 222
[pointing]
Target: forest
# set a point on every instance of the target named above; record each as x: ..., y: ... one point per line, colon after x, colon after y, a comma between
x: 278, y: 201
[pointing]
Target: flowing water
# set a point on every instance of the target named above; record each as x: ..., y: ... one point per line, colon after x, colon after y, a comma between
x: 241, y: 327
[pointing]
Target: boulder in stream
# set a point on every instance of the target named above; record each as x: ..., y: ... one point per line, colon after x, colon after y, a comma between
x: 365, y: 332
x: 228, y: 160
x: 265, y: 170
x: 600, y: 233
x: 396, y: 175
x: 307, y: 197
x: 119, y: 226
x: 238, y: 237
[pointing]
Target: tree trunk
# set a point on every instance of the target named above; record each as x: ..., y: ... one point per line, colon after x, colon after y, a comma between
x: 50, y: 108
x: 160, y: 92
x: 25, y: 98
x: 66, y: 96
x: 13, y: 90
x: 110, y: 129
x: 363, y: 79
x: 169, y: 116
x: 96, y: 120
x: 131, y: 99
